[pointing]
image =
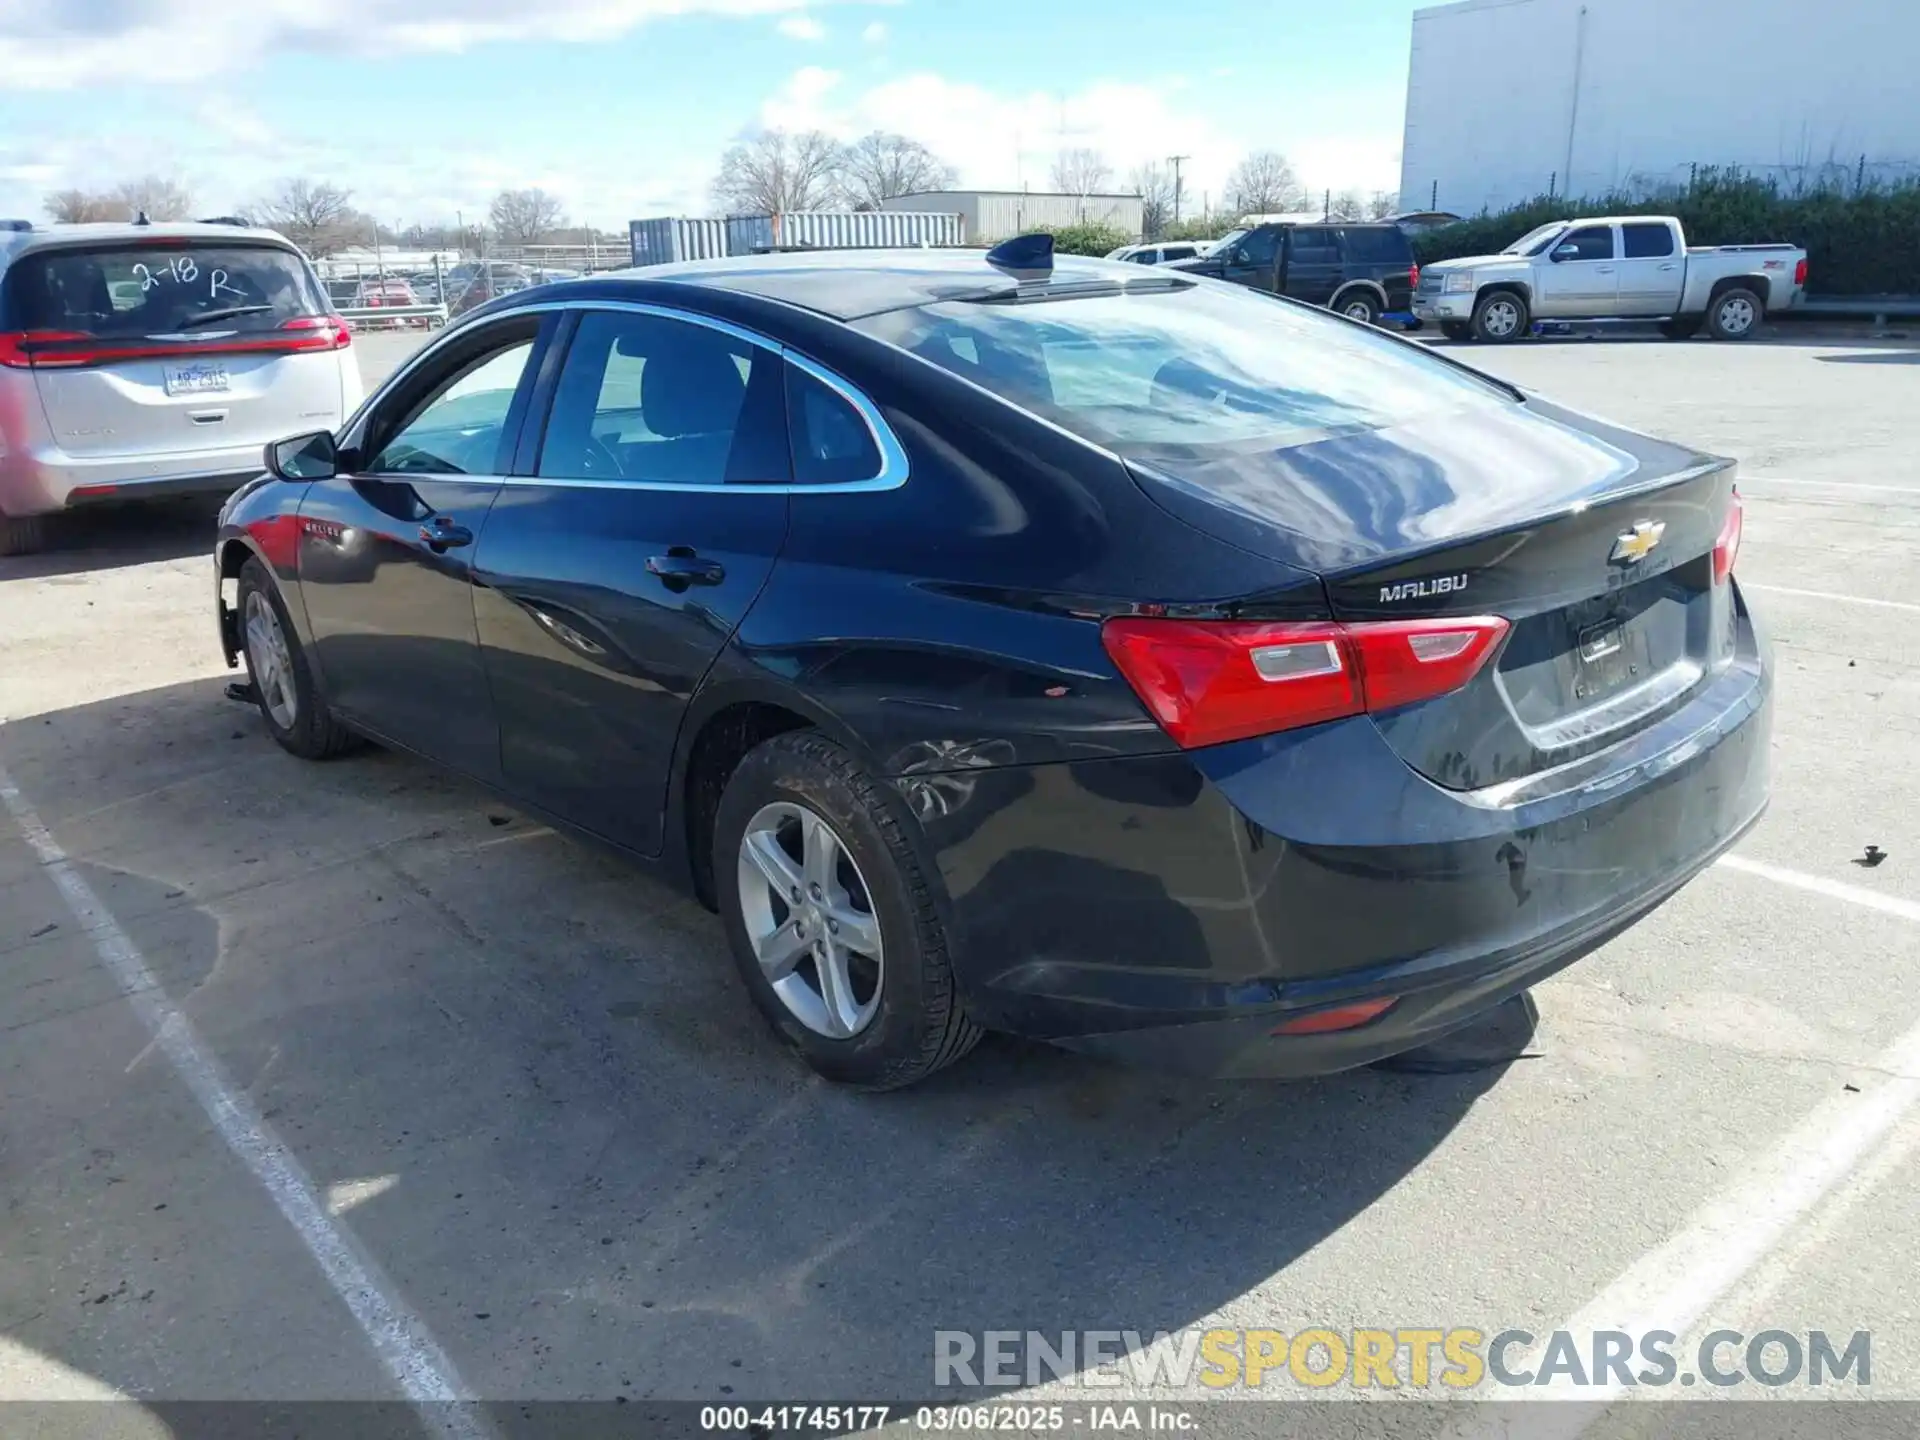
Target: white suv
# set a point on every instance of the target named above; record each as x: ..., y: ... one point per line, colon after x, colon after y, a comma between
x: 142, y: 360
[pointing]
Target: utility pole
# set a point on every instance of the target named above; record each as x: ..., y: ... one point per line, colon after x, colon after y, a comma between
x: 1176, y: 161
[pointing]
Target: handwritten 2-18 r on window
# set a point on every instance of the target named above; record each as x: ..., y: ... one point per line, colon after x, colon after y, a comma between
x: 185, y: 270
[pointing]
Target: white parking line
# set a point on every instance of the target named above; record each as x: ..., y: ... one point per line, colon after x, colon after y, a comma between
x: 1820, y: 885
x: 1673, y: 1286
x: 424, y: 1373
x: 1831, y: 595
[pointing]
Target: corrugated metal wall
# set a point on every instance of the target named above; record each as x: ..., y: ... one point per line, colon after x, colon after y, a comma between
x: 671, y: 237
x: 995, y: 215
x: 843, y: 230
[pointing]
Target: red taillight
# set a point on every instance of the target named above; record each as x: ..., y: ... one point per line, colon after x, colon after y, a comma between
x: 19, y: 347
x: 1339, y: 1017
x: 75, y: 349
x: 1210, y: 681
x: 331, y: 332
x: 1416, y: 276
x: 1726, y: 549
x: 1800, y: 272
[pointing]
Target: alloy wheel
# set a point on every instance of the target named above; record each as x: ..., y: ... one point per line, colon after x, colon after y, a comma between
x: 1501, y: 318
x: 1736, y: 315
x: 809, y: 917
x: 270, y: 661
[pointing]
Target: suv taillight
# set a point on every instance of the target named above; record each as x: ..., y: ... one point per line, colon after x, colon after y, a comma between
x: 1415, y: 278
x: 18, y: 347
x: 1210, y: 681
x: 331, y: 332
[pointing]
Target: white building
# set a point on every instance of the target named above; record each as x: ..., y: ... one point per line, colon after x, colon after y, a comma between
x: 998, y: 214
x: 1506, y: 98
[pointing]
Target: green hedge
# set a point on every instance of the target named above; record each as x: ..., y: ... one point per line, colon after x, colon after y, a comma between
x: 1866, y: 242
x: 1085, y: 239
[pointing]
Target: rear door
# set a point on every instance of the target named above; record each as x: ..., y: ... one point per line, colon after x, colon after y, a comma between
x: 1312, y: 268
x: 386, y: 547
x: 1652, y: 270
x: 643, y: 522
x: 175, y: 347
x: 1585, y: 284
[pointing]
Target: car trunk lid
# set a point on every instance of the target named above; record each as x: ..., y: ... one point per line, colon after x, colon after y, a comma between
x: 1596, y: 545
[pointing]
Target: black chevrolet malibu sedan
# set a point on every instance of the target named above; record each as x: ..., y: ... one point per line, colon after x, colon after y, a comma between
x: 1104, y: 655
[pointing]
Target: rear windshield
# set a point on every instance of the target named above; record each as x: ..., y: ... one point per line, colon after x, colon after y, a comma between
x: 158, y: 290
x: 1161, y: 374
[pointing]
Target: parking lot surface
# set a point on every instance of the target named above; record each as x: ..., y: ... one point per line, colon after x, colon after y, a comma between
x: 310, y: 1074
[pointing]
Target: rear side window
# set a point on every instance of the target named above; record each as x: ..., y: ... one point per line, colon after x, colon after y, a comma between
x: 1378, y: 245
x: 1647, y: 242
x: 831, y: 443
x: 135, y: 291
x: 665, y: 402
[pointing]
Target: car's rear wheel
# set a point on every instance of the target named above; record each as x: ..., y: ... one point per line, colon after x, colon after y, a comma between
x: 22, y: 534
x: 1735, y: 315
x: 1358, y: 305
x: 1500, y: 317
x: 1456, y: 330
x: 283, y: 687
x: 832, y: 913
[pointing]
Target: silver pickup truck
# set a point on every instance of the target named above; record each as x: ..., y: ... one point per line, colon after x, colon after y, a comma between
x: 1630, y: 267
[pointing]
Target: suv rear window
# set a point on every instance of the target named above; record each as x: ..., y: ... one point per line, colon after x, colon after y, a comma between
x: 1148, y: 375
x: 140, y: 290
x: 1378, y: 245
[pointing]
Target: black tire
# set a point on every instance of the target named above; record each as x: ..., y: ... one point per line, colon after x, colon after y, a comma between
x: 314, y: 733
x: 920, y: 1024
x: 1458, y: 331
x: 1359, y: 306
x: 1682, y: 327
x: 22, y: 534
x: 1735, y: 314
x: 1487, y: 324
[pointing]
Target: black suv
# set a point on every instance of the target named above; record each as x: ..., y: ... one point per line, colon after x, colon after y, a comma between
x: 1363, y: 271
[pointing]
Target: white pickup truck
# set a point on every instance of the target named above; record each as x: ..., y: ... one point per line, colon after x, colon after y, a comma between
x: 1629, y: 267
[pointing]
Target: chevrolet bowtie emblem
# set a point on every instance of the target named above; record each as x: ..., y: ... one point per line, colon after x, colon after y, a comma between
x: 1634, y: 546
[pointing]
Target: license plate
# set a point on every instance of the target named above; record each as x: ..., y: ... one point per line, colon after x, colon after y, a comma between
x: 1609, y: 660
x: 204, y: 378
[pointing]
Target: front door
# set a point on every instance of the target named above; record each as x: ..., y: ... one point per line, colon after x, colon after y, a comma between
x: 621, y: 559
x: 386, y: 548
x: 1313, y: 266
x: 1255, y: 259
x: 1652, y: 270
x: 1581, y: 279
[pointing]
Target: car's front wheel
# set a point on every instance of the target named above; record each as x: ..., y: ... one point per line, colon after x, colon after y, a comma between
x: 283, y: 687
x: 832, y: 915
x: 1500, y: 316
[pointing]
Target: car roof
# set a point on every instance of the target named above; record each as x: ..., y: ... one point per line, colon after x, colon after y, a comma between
x: 850, y: 284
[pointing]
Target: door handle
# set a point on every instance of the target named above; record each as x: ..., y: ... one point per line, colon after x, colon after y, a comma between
x: 1669, y: 267
x: 440, y: 535
x: 681, y: 567
x: 1604, y: 270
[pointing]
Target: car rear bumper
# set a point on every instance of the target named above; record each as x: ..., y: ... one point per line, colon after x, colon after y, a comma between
x: 36, y: 482
x: 1125, y: 909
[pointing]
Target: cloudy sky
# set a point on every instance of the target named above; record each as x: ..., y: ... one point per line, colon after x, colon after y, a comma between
x: 425, y: 108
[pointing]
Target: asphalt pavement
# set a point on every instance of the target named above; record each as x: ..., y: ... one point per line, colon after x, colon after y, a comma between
x: 346, y: 1081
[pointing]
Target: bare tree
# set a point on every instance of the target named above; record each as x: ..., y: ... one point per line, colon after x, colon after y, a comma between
x: 159, y: 197
x: 524, y: 217
x: 1381, y: 204
x: 316, y: 216
x: 1264, y: 184
x: 777, y: 171
x: 78, y: 207
x: 1081, y: 171
x: 882, y: 166
x: 1346, y: 205
x: 1154, y: 185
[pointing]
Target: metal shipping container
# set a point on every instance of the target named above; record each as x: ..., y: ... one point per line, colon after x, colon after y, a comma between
x: 843, y: 230
x: 672, y: 237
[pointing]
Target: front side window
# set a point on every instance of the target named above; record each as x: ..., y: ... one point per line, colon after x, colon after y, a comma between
x: 1165, y: 374
x: 1594, y: 242
x: 1647, y: 242
x: 661, y: 401
x: 461, y: 428
x: 1261, y: 247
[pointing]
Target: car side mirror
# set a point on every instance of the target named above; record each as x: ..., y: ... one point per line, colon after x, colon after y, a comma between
x: 304, y: 457
x: 1565, y: 252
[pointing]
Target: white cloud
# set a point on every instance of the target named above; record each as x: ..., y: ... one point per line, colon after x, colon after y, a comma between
x: 57, y: 44
x: 802, y: 27
x: 1002, y: 141
x: 874, y: 33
